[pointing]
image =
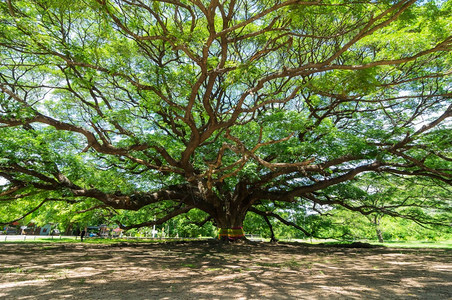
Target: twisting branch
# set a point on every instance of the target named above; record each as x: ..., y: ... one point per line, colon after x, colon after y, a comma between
x: 267, y: 214
x: 90, y: 209
x: 25, y: 215
x: 177, y: 211
x: 270, y: 226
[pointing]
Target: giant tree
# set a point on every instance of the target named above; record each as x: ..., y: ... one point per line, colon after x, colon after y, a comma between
x: 222, y: 106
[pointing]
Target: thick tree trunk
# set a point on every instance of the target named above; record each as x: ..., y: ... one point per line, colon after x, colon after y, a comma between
x: 230, y: 230
x: 377, y: 229
x: 228, y: 210
x: 230, y: 225
x: 379, y: 235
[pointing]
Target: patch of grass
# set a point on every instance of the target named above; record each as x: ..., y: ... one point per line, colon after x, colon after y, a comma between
x: 87, y: 257
x: 395, y: 244
x: 15, y: 270
x: 18, y: 270
x: 271, y: 265
x: 292, y: 264
x: 58, y: 240
x: 417, y: 244
x: 191, y: 266
x: 6, y: 270
x: 48, y: 248
x: 39, y: 240
x: 132, y: 240
x: 95, y: 240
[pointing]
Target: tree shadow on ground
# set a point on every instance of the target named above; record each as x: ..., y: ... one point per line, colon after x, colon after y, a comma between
x: 206, y: 270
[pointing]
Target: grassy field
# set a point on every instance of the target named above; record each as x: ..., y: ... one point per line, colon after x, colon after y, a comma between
x: 417, y: 244
x: 73, y: 239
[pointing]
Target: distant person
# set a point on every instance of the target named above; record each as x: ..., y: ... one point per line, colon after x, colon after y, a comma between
x: 82, y: 234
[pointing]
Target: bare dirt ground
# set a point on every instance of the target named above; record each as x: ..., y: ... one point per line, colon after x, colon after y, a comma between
x: 208, y: 270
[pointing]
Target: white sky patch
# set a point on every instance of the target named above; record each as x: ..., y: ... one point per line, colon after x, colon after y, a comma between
x: 3, y: 181
x: 425, y: 120
x: 405, y: 93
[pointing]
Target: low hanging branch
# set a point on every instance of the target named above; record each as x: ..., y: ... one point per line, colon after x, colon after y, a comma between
x: 27, y: 214
x: 170, y: 215
x: 203, y: 222
x: 270, y: 226
x: 267, y: 214
x: 91, y: 209
x: 39, y: 206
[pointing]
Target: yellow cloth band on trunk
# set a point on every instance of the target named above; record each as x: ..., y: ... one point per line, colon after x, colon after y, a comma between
x: 231, y: 233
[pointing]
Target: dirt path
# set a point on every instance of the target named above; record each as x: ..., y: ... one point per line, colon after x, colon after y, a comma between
x: 203, y: 270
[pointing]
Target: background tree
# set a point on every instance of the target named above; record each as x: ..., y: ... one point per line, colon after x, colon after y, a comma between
x: 167, y: 106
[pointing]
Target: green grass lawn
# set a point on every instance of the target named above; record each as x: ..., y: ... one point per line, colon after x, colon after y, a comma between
x: 39, y: 239
x: 390, y: 244
x: 417, y: 244
x: 90, y: 240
